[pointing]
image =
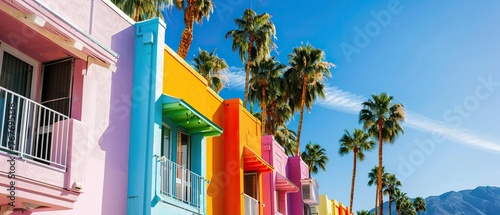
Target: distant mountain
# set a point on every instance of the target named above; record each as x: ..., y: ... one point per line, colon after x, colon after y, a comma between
x: 479, y: 201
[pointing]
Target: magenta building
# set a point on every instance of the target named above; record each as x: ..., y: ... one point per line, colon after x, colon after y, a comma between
x: 65, y: 91
x: 288, y: 190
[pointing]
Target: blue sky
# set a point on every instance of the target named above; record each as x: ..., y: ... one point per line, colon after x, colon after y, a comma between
x: 438, y: 58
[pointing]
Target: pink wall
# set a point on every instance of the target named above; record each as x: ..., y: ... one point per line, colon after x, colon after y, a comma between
x: 275, y: 155
x: 297, y: 170
x: 101, y: 109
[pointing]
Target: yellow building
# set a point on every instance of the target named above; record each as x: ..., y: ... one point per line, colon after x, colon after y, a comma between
x: 329, y: 207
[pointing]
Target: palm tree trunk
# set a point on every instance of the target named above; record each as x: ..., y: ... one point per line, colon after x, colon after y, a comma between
x: 247, y: 70
x: 379, y: 181
x: 187, y: 33
x: 264, y: 110
x: 137, y: 7
x: 270, y: 121
x: 399, y: 211
x: 353, y: 179
x: 390, y: 199
x: 375, y: 211
x: 302, y: 101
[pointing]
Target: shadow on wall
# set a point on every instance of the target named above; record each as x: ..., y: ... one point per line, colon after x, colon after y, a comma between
x: 115, y: 139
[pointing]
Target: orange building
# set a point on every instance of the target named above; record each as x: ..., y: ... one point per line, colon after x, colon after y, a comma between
x: 243, y: 161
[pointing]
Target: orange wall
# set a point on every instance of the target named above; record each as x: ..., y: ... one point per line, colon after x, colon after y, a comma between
x: 241, y: 129
x: 224, y: 164
x: 182, y: 81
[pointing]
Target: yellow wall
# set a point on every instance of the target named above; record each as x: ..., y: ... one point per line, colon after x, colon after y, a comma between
x: 325, y: 208
x: 182, y: 81
x: 330, y: 206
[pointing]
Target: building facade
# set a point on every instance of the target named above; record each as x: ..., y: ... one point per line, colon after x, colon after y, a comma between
x: 174, y: 117
x: 277, y: 184
x: 329, y: 207
x: 65, y: 88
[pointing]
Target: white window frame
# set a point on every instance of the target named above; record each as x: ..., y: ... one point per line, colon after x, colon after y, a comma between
x: 36, y: 67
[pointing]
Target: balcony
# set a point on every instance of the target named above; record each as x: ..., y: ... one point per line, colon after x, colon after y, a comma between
x: 32, y: 131
x: 179, y: 183
x: 310, y: 194
x: 251, y: 205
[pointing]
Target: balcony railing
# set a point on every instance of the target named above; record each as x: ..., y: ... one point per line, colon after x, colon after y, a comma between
x: 251, y: 205
x: 278, y: 213
x: 180, y: 183
x: 32, y: 131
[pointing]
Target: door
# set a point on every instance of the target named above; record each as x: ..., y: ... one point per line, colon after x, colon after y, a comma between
x: 166, y: 169
x: 57, y: 78
x: 15, y: 78
x: 184, y: 161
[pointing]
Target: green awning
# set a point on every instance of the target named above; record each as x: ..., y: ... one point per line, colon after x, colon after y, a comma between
x: 184, y: 115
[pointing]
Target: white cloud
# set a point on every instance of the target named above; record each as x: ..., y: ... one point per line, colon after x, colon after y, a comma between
x: 236, y: 78
x: 456, y: 134
x: 344, y: 101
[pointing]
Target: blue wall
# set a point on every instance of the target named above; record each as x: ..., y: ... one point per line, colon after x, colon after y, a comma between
x: 146, y: 125
x: 145, y: 128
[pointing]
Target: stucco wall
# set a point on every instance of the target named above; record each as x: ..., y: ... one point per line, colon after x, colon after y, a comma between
x: 105, y: 109
x: 182, y: 81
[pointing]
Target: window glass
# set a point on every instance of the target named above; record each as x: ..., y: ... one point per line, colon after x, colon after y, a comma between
x: 165, y: 145
x: 183, y: 150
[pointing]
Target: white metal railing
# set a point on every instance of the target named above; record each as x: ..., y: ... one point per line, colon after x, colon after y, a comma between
x: 33, y: 131
x: 180, y: 183
x: 251, y: 205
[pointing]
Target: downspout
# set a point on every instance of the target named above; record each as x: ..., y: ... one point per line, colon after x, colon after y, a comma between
x: 88, y: 36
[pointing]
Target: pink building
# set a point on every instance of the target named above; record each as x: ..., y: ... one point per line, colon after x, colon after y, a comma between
x: 288, y: 190
x: 65, y: 92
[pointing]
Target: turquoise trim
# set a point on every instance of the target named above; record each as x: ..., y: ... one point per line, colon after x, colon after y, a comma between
x: 145, y: 123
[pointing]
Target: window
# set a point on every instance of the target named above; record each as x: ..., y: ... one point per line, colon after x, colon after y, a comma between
x: 307, y: 209
x: 166, y: 133
x: 17, y: 71
x: 277, y: 200
x: 250, y: 180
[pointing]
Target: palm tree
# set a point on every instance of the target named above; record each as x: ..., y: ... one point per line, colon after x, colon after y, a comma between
x: 286, y: 138
x: 363, y: 212
x: 419, y: 204
x: 406, y: 207
x: 315, y: 157
x: 382, y: 120
x: 308, y: 69
x: 373, y: 179
x: 252, y: 38
x: 194, y: 10
x: 279, y: 113
x: 265, y: 85
x: 399, y: 198
x: 391, y: 184
x: 356, y: 143
x: 142, y: 9
x: 210, y: 67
